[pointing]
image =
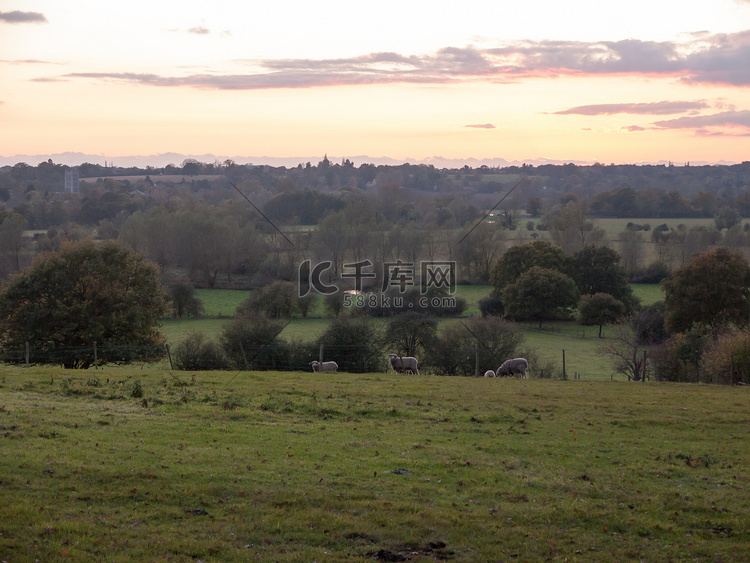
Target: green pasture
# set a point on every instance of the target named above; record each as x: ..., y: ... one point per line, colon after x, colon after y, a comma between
x: 130, y: 464
x: 578, y: 344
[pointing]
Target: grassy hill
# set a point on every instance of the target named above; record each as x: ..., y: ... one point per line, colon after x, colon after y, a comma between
x: 130, y: 464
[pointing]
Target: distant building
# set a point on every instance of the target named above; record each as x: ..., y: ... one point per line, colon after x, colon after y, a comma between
x: 72, y: 181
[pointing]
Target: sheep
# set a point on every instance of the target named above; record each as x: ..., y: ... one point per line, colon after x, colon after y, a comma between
x: 403, y: 364
x: 324, y: 366
x: 512, y: 367
x: 489, y: 373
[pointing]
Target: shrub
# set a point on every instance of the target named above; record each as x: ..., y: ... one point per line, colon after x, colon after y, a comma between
x: 491, y: 305
x: 353, y: 345
x: 253, y: 344
x: 726, y: 358
x: 195, y: 352
x: 275, y: 300
x: 492, y: 339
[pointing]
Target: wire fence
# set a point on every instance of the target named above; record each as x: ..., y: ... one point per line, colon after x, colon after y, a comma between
x: 273, y: 355
x: 277, y: 354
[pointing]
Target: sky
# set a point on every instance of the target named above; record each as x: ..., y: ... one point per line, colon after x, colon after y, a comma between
x: 434, y: 81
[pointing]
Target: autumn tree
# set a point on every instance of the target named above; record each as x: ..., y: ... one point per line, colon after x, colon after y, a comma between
x: 712, y: 289
x: 67, y: 301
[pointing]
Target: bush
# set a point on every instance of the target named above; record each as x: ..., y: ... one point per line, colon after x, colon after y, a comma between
x: 275, y: 301
x: 195, y: 352
x: 491, y: 338
x: 253, y: 344
x: 653, y: 273
x: 491, y: 305
x: 353, y: 344
x: 726, y: 358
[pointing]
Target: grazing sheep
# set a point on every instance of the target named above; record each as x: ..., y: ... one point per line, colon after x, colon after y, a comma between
x: 324, y: 366
x: 489, y: 373
x: 404, y: 364
x: 513, y: 367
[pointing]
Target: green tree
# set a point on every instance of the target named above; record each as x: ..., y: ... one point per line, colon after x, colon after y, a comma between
x: 540, y: 294
x: 84, y: 294
x: 597, y: 269
x: 712, y: 289
x: 599, y: 309
x: 520, y: 258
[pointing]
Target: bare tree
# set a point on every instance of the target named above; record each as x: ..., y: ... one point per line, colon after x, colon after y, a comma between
x: 629, y: 357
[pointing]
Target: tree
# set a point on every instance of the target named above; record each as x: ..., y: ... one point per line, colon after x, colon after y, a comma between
x: 67, y: 301
x: 276, y: 301
x: 726, y: 218
x: 628, y: 355
x: 571, y: 229
x: 254, y: 344
x: 353, y: 343
x: 599, y: 309
x: 534, y: 206
x: 185, y: 301
x: 410, y: 333
x: 712, y: 289
x: 520, y: 258
x: 540, y: 294
x: 632, y: 251
x: 596, y: 269
x: 12, y: 226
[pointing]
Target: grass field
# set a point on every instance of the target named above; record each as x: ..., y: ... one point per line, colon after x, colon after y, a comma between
x: 578, y: 343
x: 126, y: 464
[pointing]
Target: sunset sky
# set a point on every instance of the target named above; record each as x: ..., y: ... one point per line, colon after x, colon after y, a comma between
x: 413, y: 80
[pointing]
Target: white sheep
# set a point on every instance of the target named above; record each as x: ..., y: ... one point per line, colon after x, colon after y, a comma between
x: 512, y: 367
x: 324, y: 366
x: 489, y: 373
x: 402, y: 364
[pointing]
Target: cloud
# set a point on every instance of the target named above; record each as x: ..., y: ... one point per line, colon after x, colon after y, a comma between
x: 199, y: 30
x: 723, y: 123
x: 633, y: 128
x: 718, y: 59
x: 26, y: 62
x: 481, y: 126
x: 22, y: 17
x: 655, y: 108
